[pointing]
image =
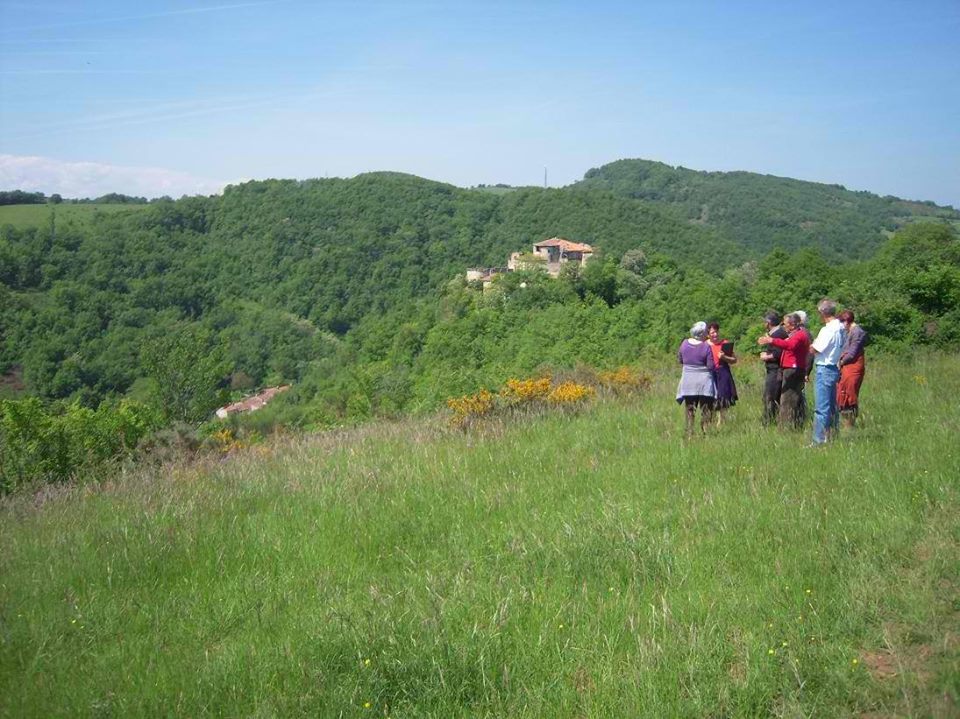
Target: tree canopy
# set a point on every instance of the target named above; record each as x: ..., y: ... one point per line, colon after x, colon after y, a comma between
x: 354, y: 290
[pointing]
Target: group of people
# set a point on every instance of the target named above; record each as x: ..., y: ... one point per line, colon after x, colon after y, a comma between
x: 790, y: 354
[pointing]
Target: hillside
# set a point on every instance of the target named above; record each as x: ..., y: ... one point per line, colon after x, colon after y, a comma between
x: 275, y: 267
x: 64, y: 214
x: 761, y: 212
x: 411, y: 236
x: 354, y: 291
x: 567, y: 565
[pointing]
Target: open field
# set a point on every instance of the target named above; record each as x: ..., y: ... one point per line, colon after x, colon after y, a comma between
x: 589, y: 565
x: 23, y: 216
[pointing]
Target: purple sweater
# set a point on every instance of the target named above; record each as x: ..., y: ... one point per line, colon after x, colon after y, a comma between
x: 853, y: 348
x: 696, y: 355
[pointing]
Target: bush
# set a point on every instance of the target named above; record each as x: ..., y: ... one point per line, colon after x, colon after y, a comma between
x: 520, y: 391
x: 624, y: 381
x: 38, y: 444
x: 470, y: 407
x: 570, y: 393
x: 527, y: 396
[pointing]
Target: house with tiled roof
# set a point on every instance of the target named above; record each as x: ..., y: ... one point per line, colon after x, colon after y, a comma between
x: 554, y: 253
x: 549, y: 255
x: 252, y: 404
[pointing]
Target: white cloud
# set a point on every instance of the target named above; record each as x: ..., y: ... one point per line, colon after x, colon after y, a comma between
x: 92, y: 179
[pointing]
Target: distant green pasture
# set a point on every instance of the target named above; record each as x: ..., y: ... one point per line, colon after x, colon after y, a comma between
x: 23, y: 216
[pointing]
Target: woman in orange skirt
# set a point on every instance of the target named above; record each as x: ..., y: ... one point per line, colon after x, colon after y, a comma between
x: 852, y: 368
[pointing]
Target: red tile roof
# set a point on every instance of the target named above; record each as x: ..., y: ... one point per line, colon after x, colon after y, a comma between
x: 565, y: 245
x: 251, y: 404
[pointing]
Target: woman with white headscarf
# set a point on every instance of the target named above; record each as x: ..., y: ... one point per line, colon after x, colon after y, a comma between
x: 697, y: 386
x: 803, y: 409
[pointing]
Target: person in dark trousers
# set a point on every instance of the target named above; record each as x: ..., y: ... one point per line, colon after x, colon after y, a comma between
x: 793, y: 364
x: 773, y: 376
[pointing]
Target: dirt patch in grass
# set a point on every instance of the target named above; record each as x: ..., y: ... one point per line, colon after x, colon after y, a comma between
x: 919, y: 659
x: 881, y: 665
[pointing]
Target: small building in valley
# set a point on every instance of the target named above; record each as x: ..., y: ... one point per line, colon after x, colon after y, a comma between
x: 251, y: 404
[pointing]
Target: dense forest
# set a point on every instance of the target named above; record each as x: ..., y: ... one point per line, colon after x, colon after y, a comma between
x: 762, y: 211
x: 354, y: 291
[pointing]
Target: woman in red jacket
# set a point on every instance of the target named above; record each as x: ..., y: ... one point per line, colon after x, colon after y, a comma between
x: 793, y: 363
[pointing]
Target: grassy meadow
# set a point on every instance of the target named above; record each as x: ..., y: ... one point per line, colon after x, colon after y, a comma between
x: 569, y: 565
x: 25, y: 216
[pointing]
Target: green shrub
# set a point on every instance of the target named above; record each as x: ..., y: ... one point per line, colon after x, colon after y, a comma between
x: 39, y: 444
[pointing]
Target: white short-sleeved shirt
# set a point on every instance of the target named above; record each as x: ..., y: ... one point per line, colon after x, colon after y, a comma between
x: 829, y: 343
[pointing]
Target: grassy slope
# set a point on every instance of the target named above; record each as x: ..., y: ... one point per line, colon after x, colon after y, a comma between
x: 590, y: 565
x: 23, y: 216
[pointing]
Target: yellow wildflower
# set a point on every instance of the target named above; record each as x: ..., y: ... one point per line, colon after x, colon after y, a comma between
x: 570, y: 393
x: 526, y: 390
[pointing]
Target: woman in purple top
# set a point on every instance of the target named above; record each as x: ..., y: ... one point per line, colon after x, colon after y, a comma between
x: 852, y: 368
x: 697, y: 386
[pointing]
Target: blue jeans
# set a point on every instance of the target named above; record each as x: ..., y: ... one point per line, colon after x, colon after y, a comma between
x: 825, y: 407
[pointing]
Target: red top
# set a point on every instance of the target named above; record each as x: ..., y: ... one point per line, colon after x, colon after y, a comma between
x: 795, y: 349
x: 717, y: 349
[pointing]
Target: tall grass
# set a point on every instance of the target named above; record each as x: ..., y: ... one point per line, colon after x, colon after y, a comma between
x: 572, y: 565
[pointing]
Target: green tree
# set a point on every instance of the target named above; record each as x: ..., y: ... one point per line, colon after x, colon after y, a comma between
x: 189, y: 373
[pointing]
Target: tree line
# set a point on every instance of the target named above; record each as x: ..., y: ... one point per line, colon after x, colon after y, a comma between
x: 353, y: 291
x: 21, y: 197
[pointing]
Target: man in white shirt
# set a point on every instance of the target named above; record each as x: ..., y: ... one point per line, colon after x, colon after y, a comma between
x: 827, y: 348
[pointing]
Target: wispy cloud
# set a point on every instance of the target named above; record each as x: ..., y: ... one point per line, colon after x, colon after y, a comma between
x: 170, y: 112
x: 92, y: 179
x: 79, y: 72
x: 57, y: 53
x: 50, y: 41
x: 146, y: 16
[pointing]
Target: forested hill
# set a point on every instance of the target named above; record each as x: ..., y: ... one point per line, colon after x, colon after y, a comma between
x: 335, y: 250
x: 761, y: 212
x: 275, y: 271
x: 358, y: 284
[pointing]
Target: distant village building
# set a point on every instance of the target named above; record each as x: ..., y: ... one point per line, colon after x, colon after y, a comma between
x: 485, y: 274
x: 550, y: 255
x: 556, y: 252
x: 251, y: 404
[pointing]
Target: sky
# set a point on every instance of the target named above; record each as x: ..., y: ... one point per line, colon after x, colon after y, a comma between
x: 172, y: 98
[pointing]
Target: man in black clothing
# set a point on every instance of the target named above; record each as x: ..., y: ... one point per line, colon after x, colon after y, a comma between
x: 771, y: 358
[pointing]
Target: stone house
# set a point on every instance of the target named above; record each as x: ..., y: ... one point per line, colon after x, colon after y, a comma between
x: 554, y: 253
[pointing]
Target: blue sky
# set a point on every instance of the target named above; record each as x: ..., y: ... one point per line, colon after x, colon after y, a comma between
x: 179, y: 97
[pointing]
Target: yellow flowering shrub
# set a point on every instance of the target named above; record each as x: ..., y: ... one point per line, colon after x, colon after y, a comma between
x: 225, y: 441
x: 471, y: 406
x: 528, y: 396
x: 624, y: 380
x: 518, y: 391
x: 569, y: 393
